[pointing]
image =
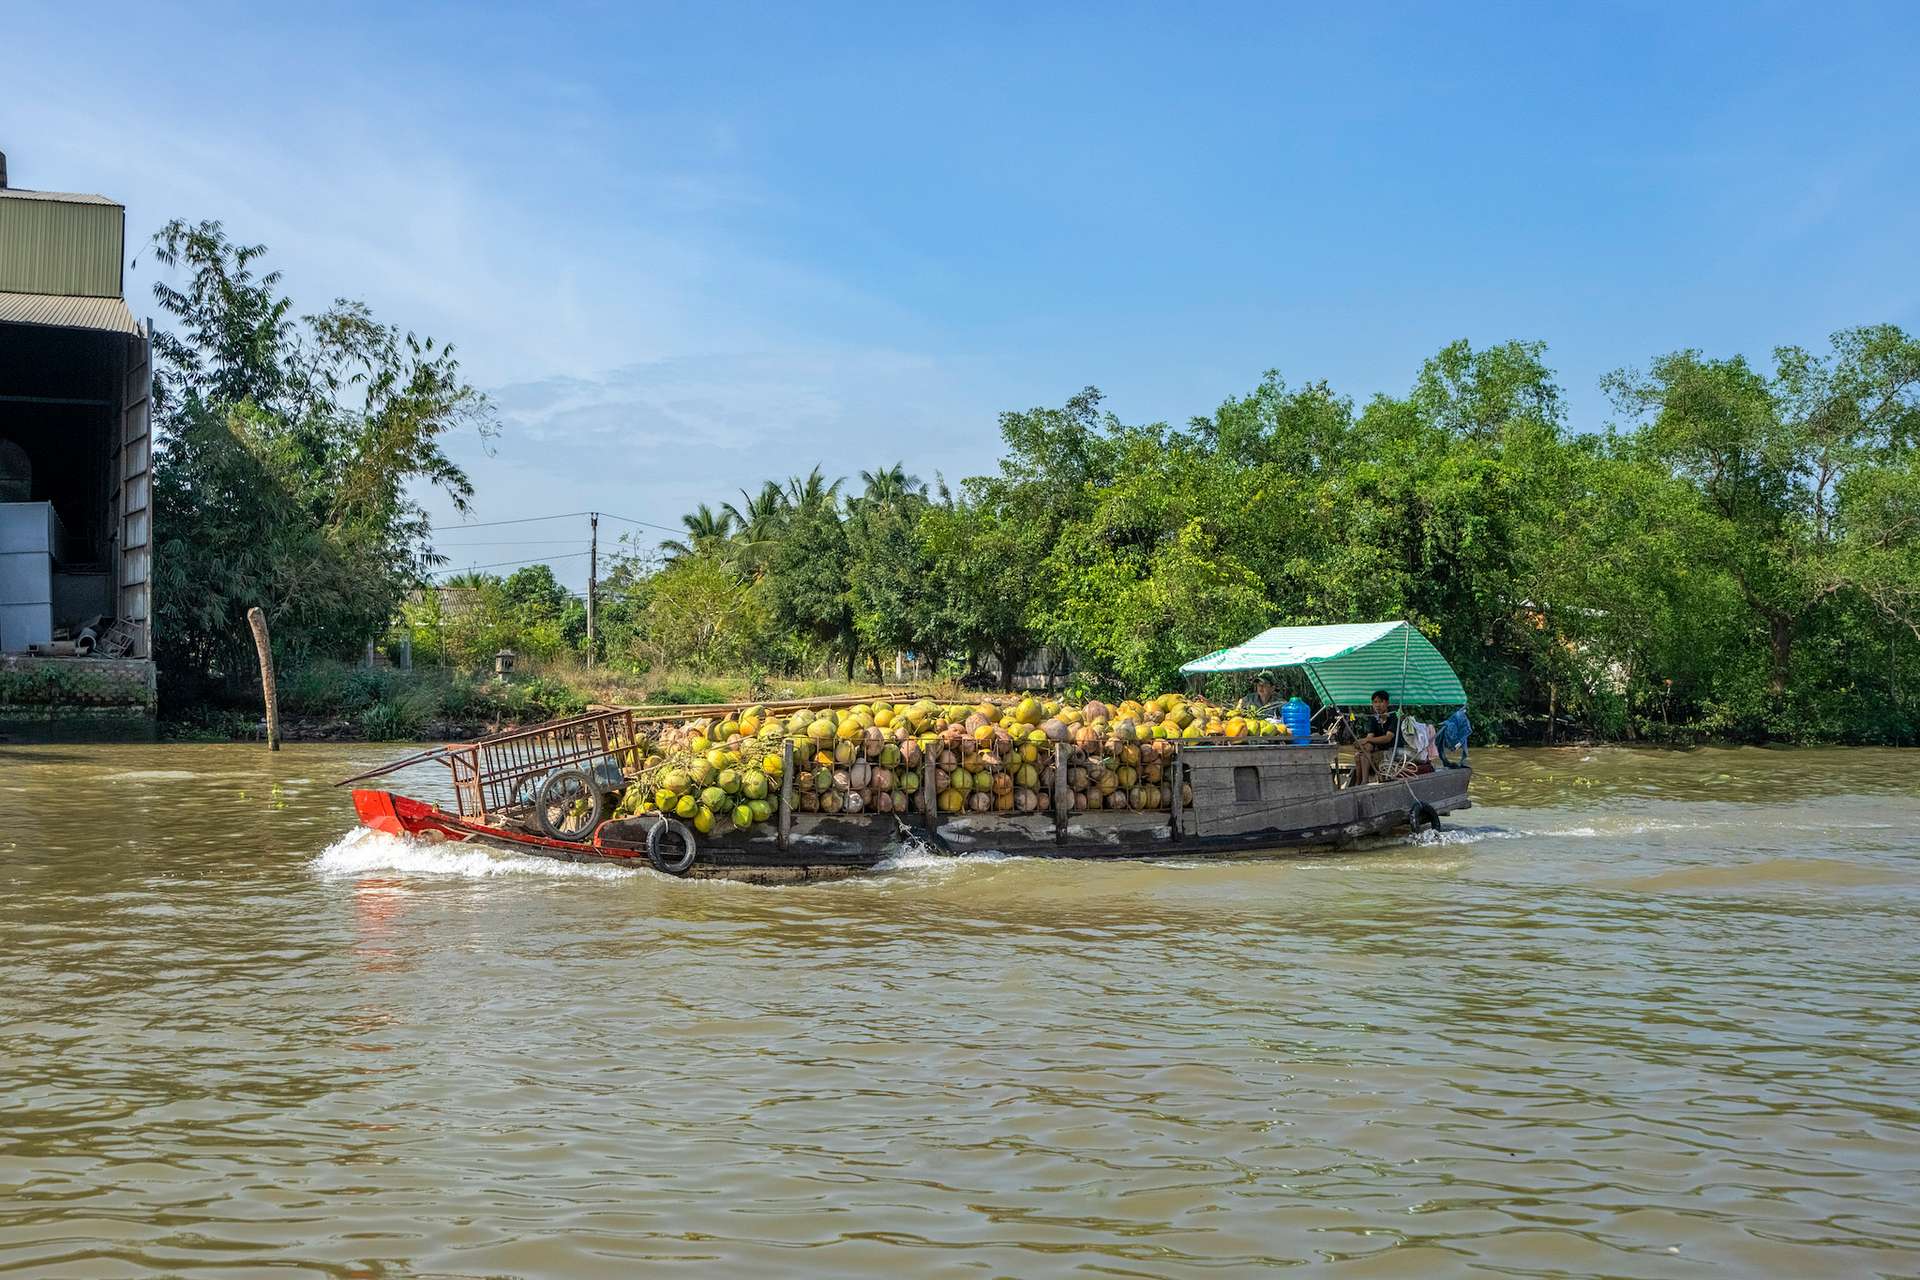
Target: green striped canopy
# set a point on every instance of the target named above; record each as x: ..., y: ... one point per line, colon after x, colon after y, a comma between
x: 1347, y: 662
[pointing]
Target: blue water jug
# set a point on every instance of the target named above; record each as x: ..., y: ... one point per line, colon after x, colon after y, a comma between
x: 1298, y: 719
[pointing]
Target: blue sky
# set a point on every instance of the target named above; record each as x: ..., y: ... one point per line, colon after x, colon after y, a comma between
x: 686, y: 249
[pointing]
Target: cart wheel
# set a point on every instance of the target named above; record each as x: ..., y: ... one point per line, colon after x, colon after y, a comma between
x: 525, y: 792
x: 657, y: 845
x: 1422, y: 817
x: 570, y: 805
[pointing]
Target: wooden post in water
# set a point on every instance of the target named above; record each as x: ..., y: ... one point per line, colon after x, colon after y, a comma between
x: 258, y: 621
x: 786, y: 792
x: 1062, y: 803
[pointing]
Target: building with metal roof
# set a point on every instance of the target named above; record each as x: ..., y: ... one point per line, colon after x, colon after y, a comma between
x: 75, y: 462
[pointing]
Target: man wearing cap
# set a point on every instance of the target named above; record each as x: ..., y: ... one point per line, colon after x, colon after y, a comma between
x: 1264, y: 701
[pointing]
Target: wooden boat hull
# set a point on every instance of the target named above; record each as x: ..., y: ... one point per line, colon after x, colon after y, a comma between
x: 819, y: 846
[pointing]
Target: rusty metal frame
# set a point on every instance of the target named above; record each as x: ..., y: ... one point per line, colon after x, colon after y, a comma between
x: 489, y: 773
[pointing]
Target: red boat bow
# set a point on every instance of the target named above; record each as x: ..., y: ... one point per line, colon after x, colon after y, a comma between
x: 399, y: 815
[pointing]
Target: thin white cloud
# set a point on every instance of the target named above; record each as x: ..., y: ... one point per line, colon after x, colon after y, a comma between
x: 641, y: 359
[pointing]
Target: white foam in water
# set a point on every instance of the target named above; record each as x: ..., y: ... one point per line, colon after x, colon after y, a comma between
x: 917, y: 855
x: 363, y: 852
x: 1462, y: 835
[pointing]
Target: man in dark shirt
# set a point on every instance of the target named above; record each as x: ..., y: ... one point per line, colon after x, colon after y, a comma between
x: 1374, y: 739
x: 1264, y: 701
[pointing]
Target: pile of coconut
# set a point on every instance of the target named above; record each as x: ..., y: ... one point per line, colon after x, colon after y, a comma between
x: 872, y: 758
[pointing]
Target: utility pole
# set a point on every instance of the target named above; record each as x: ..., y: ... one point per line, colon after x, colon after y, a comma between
x: 593, y: 580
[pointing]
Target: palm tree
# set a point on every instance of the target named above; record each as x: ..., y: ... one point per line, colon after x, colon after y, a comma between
x: 891, y: 485
x: 812, y: 490
x: 706, y: 528
x: 757, y: 522
x: 758, y: 515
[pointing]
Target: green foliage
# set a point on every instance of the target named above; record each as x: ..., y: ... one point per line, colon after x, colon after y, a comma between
x: 289, y: 451
x: 400, y: 717
x: 1740, y: 558
x: 687, y: 694
x: 386, y: 703
x: 809, y: 587
x: 1742, y: 563
x: 702, y: 613
x: 58, y: 683
x: 1805, y: 487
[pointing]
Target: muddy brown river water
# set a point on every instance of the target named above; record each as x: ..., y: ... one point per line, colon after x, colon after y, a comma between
x: 1635, y: 1014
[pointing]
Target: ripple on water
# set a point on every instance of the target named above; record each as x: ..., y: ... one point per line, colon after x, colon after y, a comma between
x: 1658, y: 1023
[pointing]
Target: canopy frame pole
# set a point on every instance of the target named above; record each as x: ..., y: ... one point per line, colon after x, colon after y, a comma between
x: 1406, y: 649
x: 1313, y: 678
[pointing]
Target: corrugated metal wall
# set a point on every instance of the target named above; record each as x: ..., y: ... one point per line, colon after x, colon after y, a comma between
x: 134, y: 497
x: 49, y: 246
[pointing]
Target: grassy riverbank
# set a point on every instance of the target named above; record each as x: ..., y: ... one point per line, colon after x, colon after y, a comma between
x: 339, y: 702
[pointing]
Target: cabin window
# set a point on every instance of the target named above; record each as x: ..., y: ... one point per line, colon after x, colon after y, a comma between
x: 1246, y: 782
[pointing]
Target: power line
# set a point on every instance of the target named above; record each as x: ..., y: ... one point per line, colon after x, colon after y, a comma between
x: 514, y: 542
x: 565, y: 515
x: 489, y: 524
x: 645, y: 524
x: 508, y: 564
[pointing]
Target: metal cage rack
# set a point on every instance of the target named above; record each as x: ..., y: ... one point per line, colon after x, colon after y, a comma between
x: 495, y: 774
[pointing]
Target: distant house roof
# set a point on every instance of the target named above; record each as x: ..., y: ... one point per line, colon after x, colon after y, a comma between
x: 58, y: 197
x: 61, y: 311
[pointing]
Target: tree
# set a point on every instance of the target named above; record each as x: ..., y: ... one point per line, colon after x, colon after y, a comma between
x: 289, y: 452
x: 1741, y: 561
x: 900, y: 600
x: 546, y: 619
x: 701, y: 613
x: 812, y: 490
x: 706, y: 531
x: 890, y: 486
x: 1796, y: 469
x: 808, y: 580
x: 1464, y: 392
x: 756, y: 523
x: 989, y: 570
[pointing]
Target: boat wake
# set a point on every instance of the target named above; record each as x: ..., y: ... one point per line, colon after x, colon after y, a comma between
x: 1460, y: 835
x: 362, y: 852
x: 915, y: 854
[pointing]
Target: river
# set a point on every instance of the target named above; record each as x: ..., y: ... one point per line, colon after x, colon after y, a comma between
x: 1635, y: 1014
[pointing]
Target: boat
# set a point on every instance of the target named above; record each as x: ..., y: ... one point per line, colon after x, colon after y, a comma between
x: 539, y: 791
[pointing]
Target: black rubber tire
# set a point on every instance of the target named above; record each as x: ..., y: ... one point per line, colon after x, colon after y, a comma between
x: 595, y: 797
x: 1422, y: 817
x: 656, y: 844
